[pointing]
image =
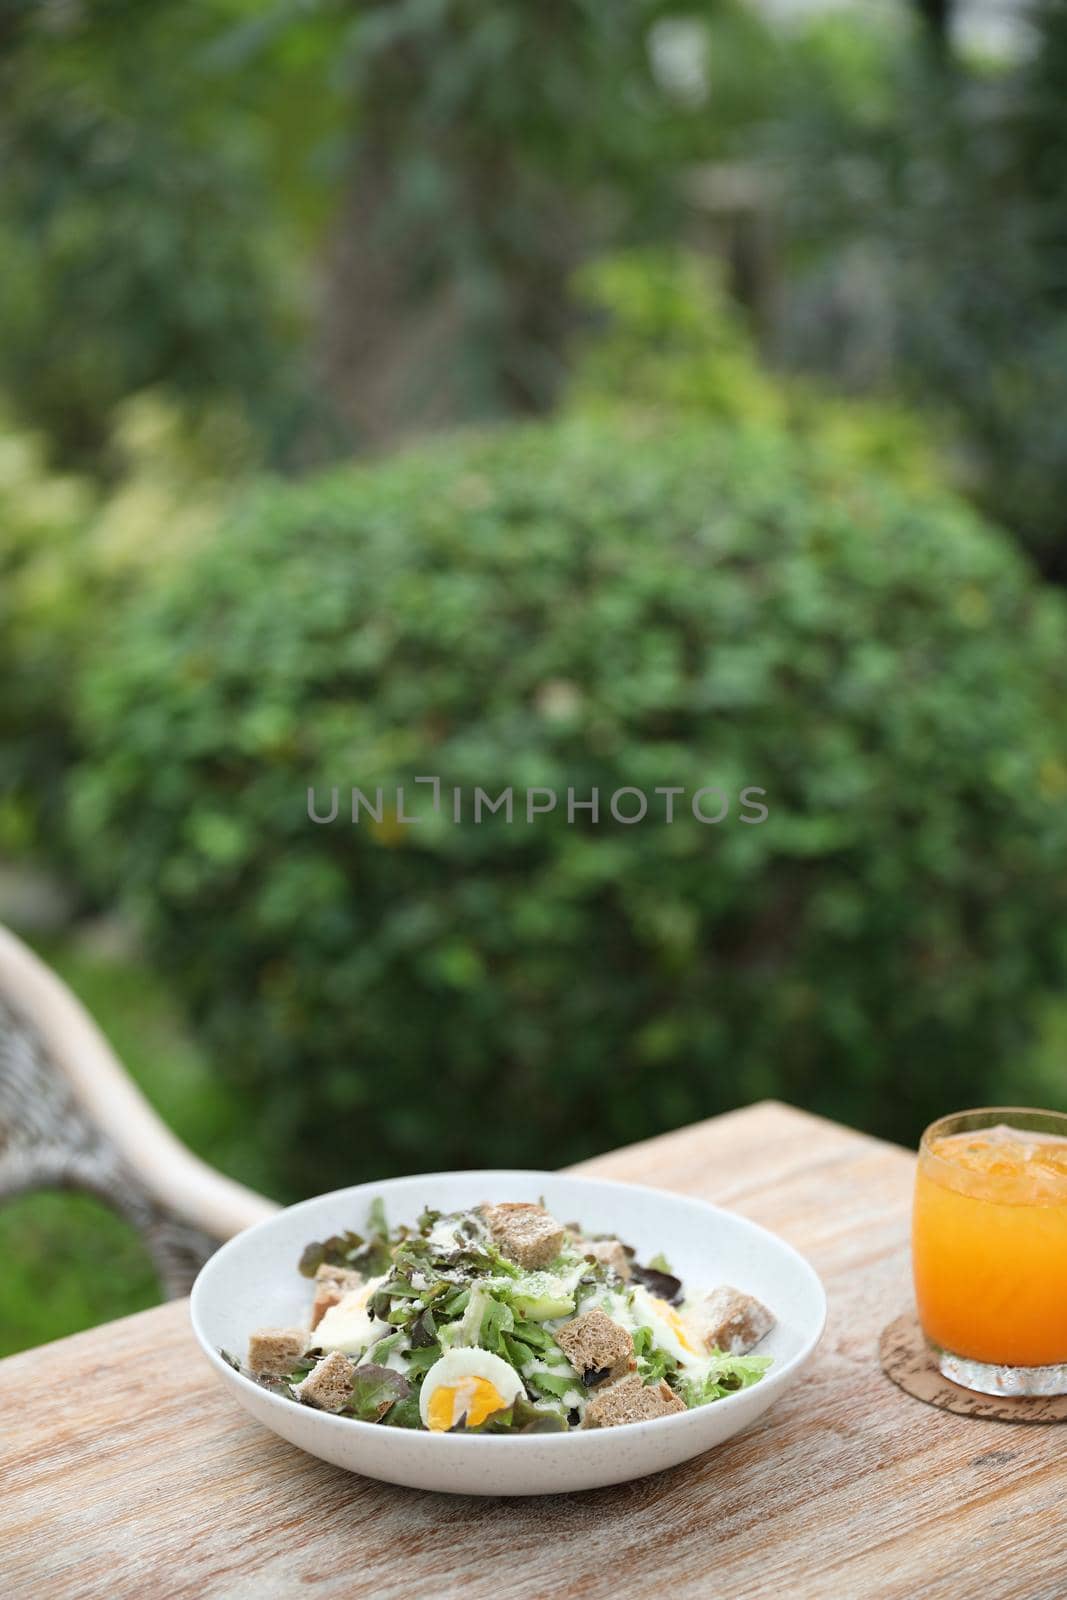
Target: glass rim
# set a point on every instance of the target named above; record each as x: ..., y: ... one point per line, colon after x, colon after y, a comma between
x: 939, y: 1126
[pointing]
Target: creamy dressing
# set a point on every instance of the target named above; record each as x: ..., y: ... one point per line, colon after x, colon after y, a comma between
x: 557, y: 1369
x: 348, y: 1326
x: 678, y: 1330
x: 443, y: 1237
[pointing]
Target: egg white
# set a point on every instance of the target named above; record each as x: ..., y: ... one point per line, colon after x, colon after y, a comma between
x: 456, y: 1365
x: 673, y: 1329
x: 348, y: 1326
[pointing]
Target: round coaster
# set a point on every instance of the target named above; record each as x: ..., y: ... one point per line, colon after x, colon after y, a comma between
x: 908, y: 1360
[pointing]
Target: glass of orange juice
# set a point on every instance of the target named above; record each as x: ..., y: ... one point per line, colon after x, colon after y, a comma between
x: 989, y: 1247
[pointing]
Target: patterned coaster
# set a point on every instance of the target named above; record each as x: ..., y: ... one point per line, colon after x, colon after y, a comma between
x: 909, y: 1361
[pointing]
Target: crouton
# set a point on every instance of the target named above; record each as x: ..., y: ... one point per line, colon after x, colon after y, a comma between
x: 273, y: 1352
x: 326, y: 1295
x: 630, y: 1400
x: 609, y: 1253
x: 734, y: 1322
x: 331, y: 1286
x: 344, y: 1277
x: 329, y: 1384
x: 596, y: 1347
x: 525, y: 1233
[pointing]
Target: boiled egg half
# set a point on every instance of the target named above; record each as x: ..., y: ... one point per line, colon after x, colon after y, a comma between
x: 671, y: 1329
x: 349, y: 1326
x: 466, y: 1384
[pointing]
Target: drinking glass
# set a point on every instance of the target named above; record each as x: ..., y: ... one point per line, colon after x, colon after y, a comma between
x: 989, y: 1248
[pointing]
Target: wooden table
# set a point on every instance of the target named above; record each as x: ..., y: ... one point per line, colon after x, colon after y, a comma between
x: 127, y: 1471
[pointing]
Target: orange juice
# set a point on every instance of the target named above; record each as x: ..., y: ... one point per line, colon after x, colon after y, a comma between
x: 989, y: 1239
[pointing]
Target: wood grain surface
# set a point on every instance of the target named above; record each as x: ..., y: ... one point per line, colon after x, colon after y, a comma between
x: 128, y: 1472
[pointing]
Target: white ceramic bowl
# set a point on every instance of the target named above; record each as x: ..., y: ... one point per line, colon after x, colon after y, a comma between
x: 252, y: 1282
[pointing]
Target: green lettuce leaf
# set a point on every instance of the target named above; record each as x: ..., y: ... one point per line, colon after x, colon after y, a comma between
x: 404, y: 1414
x: 420, y: 1361
x: 522, y: 1417
x: 374, y: 1390
x: 555, y: 1383
x: 370, y: 1255
x: 653, y: 1363
x: 726, y: 1375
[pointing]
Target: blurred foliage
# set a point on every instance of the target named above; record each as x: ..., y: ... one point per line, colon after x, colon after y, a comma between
x: 351, y: 221
x: 664, y: 335
x: 927, y: 223
x: 474, y: 186
x: 75, y: 551
x: 593, y: 603
x: 139, y: 239
x: 498, y: 172
x: 69, y: 1263
x: 665, y: 339
x: 72, y: 554
x: 177, y: 177
x: 487, y: 151
x: 42, y: 516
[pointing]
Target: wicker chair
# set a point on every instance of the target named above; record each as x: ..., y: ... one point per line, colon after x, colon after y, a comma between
x: 71, y: 1118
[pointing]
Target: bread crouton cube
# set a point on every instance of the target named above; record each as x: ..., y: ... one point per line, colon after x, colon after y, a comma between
x: 734, y: 1322
x: 630, y: 1400
x: 525, y: 1233
x: 331, y: 1286
x: 345, y: 1277
x: 596, y: 1347
x: 273, y: 1352
x: 609, y: 1253
x: 329, y: 1384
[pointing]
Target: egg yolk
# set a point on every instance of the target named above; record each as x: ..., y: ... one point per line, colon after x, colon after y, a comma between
x: 473, y: 1398
x: 678, y: 1327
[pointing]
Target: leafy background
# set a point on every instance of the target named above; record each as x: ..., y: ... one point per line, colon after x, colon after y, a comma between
x: 684, y: 410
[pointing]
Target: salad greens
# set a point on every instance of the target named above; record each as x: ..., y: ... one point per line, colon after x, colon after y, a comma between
x: 441, y: 1325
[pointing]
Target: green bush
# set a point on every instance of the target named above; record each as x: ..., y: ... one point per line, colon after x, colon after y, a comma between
x: 43, y: 517
x: 72, y: 555
x: 592, y: 605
